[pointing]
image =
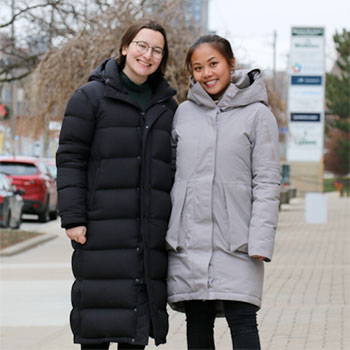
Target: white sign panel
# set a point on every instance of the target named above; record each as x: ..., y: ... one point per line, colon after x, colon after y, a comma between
x: 307, y: 56
x: 306, y: 95
x: 306, y: 98
x: 305, y: 141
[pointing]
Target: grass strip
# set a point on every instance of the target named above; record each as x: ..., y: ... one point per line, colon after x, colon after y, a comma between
x: 10, y: 237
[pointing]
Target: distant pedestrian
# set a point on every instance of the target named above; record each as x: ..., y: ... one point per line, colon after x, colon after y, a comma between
x: 114, y: 181
x: 225, y: 196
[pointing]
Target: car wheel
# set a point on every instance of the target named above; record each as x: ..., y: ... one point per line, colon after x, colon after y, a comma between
x: 44, y: 216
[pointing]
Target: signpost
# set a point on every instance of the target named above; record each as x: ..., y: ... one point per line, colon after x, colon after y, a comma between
x: 306, y: 107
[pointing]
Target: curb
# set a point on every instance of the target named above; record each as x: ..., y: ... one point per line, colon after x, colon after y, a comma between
x: 27, y: 244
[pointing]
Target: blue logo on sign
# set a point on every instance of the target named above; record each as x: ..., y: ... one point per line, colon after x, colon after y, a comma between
x: 306, y: 80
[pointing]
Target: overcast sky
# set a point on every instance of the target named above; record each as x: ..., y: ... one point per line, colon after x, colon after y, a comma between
x: 249, y: 25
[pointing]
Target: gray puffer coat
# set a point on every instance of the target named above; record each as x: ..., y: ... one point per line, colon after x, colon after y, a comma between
x: 226, y: 194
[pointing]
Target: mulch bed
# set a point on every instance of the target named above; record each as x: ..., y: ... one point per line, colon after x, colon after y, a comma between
x: 10, y: 237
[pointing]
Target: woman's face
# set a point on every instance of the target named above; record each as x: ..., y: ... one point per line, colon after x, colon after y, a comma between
x: 211, y: 69
x: 138, y: 66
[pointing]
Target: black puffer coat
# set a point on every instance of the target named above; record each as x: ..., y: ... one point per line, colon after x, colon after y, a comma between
x: 114, y: 176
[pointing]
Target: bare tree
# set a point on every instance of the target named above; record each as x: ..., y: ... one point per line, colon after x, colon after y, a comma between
x: 31, y: 28
x: 62, y: 70
x: 278, y: 107
x: 81, y: 36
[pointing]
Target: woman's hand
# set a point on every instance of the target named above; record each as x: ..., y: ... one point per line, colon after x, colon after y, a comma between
x: 77, y: 234
x: 259, y: 257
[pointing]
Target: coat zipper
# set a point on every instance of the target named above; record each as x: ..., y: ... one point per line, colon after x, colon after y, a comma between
x: 142, y: 245
x: 212, y: 192
x: 144, y: 204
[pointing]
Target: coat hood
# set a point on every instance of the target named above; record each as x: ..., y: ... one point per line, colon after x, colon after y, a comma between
x: 99, y: 73
x: 108, y: 72
x: 247, y: 86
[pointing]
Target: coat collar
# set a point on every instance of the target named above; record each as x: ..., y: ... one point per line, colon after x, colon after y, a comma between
x: 108, y: 72
x: 246, y: 87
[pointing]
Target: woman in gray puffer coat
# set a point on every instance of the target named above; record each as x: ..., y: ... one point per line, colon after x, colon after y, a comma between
x: 225, y: 197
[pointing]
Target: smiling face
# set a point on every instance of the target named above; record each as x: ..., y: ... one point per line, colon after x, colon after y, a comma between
x: 211, y: 69
x: 139, y: 66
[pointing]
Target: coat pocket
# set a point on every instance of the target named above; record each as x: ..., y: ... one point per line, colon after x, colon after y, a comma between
x: 176, y: 236
x: 238, y: 200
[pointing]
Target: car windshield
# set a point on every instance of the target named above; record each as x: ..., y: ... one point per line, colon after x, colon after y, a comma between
x: 12, y: 168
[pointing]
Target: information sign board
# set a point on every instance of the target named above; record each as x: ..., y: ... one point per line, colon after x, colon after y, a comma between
x: 306, y: 95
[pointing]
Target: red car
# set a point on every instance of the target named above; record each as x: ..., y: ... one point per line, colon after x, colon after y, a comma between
x: 32, y: 176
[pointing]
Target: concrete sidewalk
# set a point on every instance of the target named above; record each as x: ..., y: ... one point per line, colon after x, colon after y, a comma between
x: 306, y: 294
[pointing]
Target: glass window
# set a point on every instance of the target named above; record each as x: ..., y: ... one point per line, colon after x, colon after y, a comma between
x: 14, y: 168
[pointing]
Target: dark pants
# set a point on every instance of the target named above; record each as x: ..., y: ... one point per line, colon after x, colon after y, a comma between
x: 241, y: 318
x: 105, y: 346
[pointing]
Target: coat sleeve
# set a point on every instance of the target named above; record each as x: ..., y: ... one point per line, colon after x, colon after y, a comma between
x: 72, y: 159
x: 266, y: 185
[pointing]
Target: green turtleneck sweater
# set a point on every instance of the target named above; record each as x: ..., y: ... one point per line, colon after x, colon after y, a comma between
x: 142, y: 94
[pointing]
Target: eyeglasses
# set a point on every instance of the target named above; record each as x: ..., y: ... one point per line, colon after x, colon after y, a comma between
x: 143, y: 47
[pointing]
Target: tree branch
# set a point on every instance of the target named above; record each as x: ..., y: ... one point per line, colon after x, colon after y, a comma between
x: 27, y: 9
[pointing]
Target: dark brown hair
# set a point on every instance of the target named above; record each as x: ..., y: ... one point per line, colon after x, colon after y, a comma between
x: 130, y: 34
x: 218, y: 42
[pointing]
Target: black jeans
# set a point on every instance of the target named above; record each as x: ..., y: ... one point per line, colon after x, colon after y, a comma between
x: 105, y: 346
x: 241, y: 318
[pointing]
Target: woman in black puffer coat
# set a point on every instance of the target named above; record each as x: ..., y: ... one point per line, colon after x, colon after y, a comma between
x: 114, y: 179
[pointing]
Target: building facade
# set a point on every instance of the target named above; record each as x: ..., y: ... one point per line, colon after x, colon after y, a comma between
x: 197, y: 9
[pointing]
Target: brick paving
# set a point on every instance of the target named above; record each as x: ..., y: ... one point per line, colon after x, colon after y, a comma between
x: 305, y: 304
x: 306, y: 291
x: 306, y: 294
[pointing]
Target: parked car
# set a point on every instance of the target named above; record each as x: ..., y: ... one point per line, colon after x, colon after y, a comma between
x: 11, y: 204
x: 31, y: 175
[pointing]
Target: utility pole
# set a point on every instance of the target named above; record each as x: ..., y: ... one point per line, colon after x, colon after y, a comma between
x: 13, y: 114
x: 274, y: 56
x: 46, y: 135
